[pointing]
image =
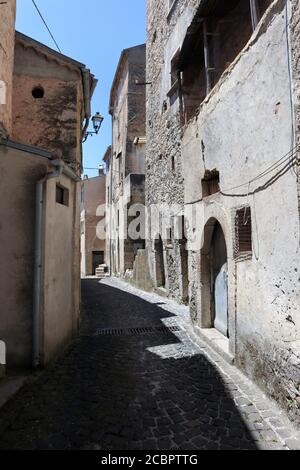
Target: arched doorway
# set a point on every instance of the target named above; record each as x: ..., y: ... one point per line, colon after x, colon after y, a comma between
x: 214, y: 276
x: 159, y: 263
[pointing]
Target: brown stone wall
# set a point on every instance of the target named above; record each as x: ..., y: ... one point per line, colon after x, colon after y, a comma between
x: 7, y: 35
x: 52, y: 122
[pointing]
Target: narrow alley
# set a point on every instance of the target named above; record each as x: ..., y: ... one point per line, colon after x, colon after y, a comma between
x: 136, y: 379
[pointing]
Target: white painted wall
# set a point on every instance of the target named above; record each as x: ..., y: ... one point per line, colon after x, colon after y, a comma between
x: 245, y: 126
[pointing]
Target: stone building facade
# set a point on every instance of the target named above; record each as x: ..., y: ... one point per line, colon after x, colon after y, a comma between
x: 52, y: 87
x: 40, y: 163
x: 93, y: 207
x: 126, y: 161
x: 221, y: 150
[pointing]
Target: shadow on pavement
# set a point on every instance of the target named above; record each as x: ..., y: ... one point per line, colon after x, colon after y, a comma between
x: 125, y: 392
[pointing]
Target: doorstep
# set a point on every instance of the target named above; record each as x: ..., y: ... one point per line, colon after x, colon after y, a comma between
x: 218, y: 342
x: 9, y: 386
x: 161, y: 291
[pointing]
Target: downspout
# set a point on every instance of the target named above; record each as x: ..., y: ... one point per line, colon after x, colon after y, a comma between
x: 88, y: 91
x: 61, y: 168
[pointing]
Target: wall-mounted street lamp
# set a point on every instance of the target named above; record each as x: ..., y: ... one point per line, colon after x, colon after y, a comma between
x: 97, y: 123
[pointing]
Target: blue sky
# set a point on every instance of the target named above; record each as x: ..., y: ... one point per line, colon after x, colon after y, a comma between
x: 93, y: 32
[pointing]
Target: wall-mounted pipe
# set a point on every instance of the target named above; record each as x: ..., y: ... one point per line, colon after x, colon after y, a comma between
x: 86, y: 77
x: 254, y: 13
x: 60, y: 168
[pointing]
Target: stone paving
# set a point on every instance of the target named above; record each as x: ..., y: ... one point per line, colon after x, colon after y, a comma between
x: 136, y: 389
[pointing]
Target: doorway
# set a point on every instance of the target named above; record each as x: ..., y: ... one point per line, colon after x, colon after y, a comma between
x: 214, y: 278
x: 159, y: 263
x: 219, y: 274
x: 98, y: 259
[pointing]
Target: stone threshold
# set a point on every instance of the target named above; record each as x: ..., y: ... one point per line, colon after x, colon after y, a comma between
x: 10, y: 386
x: 218, y: 342
x: 161, y: 291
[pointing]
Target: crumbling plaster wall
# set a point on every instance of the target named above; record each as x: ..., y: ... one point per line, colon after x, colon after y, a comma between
x: 54, y: 121
x: 242, y: 128
x: 7, y: 44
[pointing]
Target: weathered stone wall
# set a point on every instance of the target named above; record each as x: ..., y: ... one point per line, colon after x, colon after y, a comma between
x: 7, y: 44
x: 243, y: 127
x: 55, y: 119
x: 164, y: 174
x: 128, y: 122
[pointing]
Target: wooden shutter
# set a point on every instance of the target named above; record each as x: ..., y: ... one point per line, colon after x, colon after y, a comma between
x: 243, y: 231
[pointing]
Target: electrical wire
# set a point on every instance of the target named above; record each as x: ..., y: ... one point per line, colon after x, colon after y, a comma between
x: 96, y: 169
x: 288, y: 157
x: 48, y: 29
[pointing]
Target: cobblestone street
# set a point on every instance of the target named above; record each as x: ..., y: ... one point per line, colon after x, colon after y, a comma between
x: 129, y: 382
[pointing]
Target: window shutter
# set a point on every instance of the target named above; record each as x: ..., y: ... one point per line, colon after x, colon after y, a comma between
x: 243, y: 231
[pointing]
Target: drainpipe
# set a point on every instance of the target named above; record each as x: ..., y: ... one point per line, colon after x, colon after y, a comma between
x: 60, y: 168
x: 88, y: 91
x: 254, y: 13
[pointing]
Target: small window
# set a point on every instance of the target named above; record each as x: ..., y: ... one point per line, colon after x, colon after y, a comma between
x: 62, y: 195
x: 211, y: 183
x: 174, y: 68
x: 169, y: 241
x: 82, y: 227
x: 175, y: 76
x: 181, y: 229
x: 38, y: 93
x: 173, y: 163
x: 243, y: 232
